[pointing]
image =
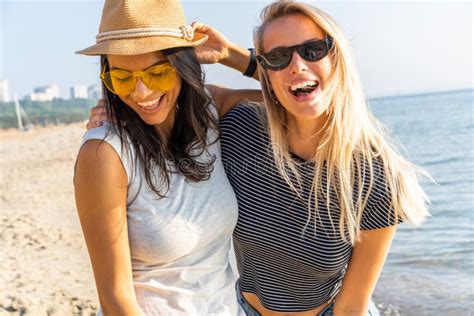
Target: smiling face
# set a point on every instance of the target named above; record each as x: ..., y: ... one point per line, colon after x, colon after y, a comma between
x: 299, y: 85
x: 156, y: 108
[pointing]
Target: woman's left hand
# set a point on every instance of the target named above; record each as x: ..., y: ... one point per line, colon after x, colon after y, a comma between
x: 215, y: 49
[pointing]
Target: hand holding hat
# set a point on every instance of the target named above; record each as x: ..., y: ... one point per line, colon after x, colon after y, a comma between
x: 215, y: 49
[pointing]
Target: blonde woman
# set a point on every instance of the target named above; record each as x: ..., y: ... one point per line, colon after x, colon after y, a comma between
x: 320, y: 188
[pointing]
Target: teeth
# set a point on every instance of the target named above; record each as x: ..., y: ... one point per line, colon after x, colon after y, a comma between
x: 149, y: 104
x: 302, y: 85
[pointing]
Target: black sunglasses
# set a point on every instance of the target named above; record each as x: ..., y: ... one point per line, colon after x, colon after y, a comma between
x: 280, y: 57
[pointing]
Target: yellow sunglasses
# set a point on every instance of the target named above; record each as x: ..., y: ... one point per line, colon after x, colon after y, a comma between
x: 121, y: 82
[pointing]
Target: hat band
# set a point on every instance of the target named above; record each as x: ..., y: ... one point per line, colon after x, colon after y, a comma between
x: 184, y: 31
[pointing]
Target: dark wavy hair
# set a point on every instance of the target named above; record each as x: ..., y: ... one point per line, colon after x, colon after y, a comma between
x: 188, y: 140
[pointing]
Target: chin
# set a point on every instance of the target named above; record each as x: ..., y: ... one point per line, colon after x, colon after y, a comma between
x: 153, y: 120
x: 307, y: 111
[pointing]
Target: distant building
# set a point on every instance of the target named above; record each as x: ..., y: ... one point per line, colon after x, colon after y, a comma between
x: 94, y: 92
x: 46, y: 93
x: 4, y: 91
x: 78, y: 92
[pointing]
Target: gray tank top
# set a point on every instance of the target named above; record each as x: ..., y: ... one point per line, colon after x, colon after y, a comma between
x: 179, y: 244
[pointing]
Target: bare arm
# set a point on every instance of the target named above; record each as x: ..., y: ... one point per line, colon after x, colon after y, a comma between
x: 101, y: 191
x: 365, y: 265
x: 218, y: 49
x: 226, y: 98
x: 238, y: 59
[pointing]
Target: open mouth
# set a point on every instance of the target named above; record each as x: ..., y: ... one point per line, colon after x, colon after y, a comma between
x: 304, y: 88
x: 151, y: 105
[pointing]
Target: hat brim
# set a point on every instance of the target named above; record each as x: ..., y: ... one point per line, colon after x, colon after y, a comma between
x: 141, y: 45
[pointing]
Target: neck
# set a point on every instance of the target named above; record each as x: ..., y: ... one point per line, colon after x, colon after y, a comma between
x: 304, y: 135
x: 304, y: 129
x: 165, y: 128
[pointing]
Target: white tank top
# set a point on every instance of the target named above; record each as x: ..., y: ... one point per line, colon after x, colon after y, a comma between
x: 179, y: 244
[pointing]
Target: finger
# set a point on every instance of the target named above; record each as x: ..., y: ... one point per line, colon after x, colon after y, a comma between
x: 196, y: 24
x: 199, y: 26
x: 97, y: 110
x: 102, y: 102
x: 100, y: 106
x: 95, y: 124
x: 103, y: 116
x: 97, y: 118
x: 94, y: 111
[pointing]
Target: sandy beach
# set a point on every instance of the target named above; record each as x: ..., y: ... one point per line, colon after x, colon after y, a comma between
x: 44, y: 265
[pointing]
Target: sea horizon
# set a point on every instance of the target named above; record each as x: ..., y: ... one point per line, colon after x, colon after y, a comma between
x: 419, y: 94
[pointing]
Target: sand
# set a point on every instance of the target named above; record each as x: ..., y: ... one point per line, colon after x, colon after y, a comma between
x: 44, y: 265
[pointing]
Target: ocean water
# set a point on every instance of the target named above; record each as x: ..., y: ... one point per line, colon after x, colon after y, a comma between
x: 430, y: 269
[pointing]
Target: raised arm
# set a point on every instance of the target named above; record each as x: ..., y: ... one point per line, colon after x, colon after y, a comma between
x: 218, y: 49
x: 365, y: 265
x: 101, y: 190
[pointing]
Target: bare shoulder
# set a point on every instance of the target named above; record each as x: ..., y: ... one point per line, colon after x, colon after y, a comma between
x: 214, y: 89
x: 226, y: 98
x: 216, y: 92
x: 98, y: 162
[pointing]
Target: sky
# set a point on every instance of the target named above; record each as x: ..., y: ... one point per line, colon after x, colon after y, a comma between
x: 401, y: 47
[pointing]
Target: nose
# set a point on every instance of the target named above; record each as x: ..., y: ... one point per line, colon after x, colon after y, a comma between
x: 141, y: 92
x: 297, y: 64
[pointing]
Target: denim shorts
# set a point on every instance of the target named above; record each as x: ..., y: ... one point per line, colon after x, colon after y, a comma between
x: 328, y: 311
x: 248, y: 309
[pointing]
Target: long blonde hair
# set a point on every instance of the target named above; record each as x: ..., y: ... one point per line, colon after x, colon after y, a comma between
x: 352, y: 137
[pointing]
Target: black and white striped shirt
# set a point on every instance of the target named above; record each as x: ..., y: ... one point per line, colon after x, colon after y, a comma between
x: 288, y: 267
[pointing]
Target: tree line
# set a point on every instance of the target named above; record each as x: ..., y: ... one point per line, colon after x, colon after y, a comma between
x: 46, y: 113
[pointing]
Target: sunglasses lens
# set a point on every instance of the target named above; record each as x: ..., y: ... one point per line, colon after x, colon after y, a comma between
x: 119, y: 82
x: 161, y: 77
x: 313, y: 51
x: 275, y: 59
x: 279, y: 57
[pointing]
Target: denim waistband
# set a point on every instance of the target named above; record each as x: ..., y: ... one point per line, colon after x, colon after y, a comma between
x: 248, y: 309
x: 328, y: 311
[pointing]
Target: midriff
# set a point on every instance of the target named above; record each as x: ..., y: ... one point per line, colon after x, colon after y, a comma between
x: 254, y: 301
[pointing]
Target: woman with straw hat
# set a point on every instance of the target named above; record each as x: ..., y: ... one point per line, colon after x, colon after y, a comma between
x: 156, y: 208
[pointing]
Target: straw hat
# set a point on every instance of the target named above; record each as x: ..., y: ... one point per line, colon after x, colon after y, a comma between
x: 130, y: 27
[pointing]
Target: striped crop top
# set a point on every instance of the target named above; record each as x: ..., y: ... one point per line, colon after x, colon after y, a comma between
x: 290, y: 271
